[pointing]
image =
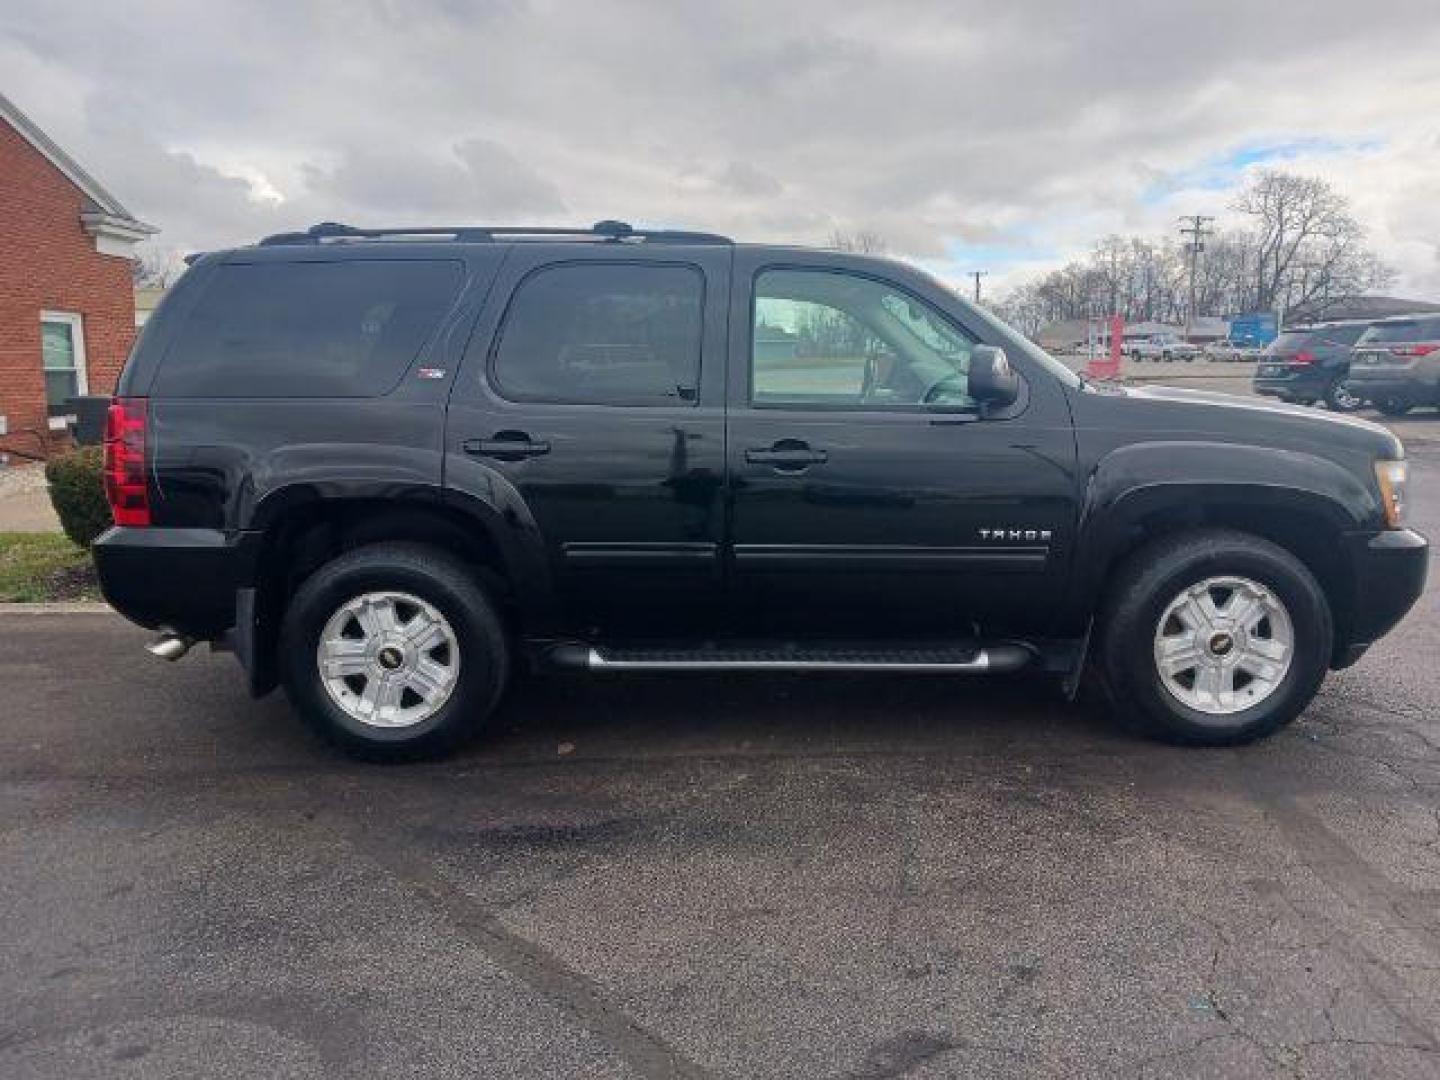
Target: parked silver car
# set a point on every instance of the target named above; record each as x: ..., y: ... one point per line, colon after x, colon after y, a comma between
x: 1161, y: 347
x: 1396, y: 364
x: 1225, y: 350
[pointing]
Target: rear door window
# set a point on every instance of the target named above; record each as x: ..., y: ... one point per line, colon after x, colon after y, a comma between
x: 308, y: 329
x: 602, y: 334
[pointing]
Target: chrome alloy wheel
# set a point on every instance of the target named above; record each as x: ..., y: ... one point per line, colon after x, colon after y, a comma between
x: 1224, y: 645
x: 388, y: 659
x: 1344, y: 398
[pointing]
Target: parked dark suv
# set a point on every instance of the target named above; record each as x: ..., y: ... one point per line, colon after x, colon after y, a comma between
x: 385, y: 466
x: 1397, y: 364
x: 1311, y: 363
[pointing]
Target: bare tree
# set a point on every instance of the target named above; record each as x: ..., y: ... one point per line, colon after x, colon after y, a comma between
x: 1309, y: 249
x: 862, y: 242
x: 153, y: 269
x: 1303, y: 252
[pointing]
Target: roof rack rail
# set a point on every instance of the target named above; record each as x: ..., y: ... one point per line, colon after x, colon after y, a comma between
x: 601, y: 232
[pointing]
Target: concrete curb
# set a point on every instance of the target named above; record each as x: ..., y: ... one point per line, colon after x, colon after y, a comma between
x: 1185, y: 377
x: 76, y: 607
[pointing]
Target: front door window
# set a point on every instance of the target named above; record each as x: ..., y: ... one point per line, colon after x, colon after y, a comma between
x: 833, y: 340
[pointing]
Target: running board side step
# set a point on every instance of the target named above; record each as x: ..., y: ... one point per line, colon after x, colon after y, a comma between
x: 998, y: 657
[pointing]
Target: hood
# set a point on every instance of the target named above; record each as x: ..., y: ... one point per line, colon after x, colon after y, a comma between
x: 1203, y: 414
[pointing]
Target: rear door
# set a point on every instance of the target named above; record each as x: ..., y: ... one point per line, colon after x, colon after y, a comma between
x: 590, y: 410
x: 869, y: 499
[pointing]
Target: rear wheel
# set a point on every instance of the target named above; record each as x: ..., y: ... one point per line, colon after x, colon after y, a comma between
x: 1393, y: 406
x: 393, y: 652
x: 1214, y: 638
x: 1340, y: 398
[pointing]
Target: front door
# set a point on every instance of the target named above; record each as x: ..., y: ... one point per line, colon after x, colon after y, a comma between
x: 869, y: 498
x: 590, y: 411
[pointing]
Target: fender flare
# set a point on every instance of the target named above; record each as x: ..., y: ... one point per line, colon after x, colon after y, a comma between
x: 1140, y: 481
x: 494, y: 508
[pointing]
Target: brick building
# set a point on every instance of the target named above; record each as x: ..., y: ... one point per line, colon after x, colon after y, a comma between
x: 67, y: 305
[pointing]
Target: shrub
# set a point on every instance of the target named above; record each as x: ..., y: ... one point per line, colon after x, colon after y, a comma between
x: 77, y: 491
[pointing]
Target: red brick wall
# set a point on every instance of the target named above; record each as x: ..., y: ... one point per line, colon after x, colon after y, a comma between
x: 49, y: 262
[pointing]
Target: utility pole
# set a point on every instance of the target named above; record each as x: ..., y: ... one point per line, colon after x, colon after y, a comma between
x: 1196, y: 227
x: 977, y: 275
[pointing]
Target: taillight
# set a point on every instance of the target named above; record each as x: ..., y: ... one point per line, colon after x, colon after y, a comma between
x: 1303, y: 358
x: 1420, y: 348
x: 125, y: 486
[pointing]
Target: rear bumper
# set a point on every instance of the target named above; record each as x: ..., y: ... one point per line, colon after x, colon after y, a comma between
x: 180, y: 580
x: 1308, y: 382
x: 1390, y: 569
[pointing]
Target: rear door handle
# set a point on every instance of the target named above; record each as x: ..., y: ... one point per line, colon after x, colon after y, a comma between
x: 788, y: 455
x: 506, y: 446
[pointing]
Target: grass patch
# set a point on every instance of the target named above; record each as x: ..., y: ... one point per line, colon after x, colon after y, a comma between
x: 37, y: 567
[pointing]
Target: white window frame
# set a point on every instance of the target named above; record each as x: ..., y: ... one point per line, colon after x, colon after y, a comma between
x: 76, y: 322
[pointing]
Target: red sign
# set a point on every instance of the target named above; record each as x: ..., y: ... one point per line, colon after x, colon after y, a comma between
x: 1109, y: 368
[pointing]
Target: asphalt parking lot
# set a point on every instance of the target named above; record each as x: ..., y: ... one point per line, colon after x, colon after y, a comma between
x: 705, y: 877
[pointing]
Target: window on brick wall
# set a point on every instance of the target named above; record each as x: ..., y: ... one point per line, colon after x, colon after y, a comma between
x: 62, y: 351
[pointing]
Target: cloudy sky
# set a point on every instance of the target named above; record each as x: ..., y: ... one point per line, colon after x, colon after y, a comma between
x: 997, y: 136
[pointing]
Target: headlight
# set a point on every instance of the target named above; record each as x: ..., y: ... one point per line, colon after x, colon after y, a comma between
x: 1392, y: 476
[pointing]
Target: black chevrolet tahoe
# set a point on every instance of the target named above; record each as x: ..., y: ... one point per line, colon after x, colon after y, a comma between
x: 388, y: 467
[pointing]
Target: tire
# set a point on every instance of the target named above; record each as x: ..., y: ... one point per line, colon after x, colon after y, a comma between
x: 1393, y: 407
x: 1338, y: 398
x: 1137, y: 613
x: 464, y: 671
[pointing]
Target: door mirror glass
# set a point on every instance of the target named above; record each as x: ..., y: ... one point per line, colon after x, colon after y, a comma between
x: 993, y: 382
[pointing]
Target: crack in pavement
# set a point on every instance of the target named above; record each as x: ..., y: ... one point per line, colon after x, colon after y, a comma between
x: 526, y: 960
x: 1359, y: 885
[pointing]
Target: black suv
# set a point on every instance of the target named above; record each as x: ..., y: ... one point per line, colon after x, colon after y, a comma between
x: 1311, y: 363
x: 385, y: 466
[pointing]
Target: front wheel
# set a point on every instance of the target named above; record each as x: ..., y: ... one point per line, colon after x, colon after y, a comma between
x: 1213, y: 638
x: 393, y: 652
x: 1340, y: 398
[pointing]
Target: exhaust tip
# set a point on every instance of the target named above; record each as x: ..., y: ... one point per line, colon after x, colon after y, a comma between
x: 169, y: 646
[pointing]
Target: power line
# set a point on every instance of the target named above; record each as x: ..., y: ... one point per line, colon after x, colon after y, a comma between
x: 1196, y: 228
x: 977, y: 275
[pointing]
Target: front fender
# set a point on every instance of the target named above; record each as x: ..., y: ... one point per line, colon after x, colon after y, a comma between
x: 1186, y: 479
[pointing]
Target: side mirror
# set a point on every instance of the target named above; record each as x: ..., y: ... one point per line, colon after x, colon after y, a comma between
x: 993, y: 382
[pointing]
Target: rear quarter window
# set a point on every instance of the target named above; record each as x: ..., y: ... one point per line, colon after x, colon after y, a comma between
x: 308, y: 329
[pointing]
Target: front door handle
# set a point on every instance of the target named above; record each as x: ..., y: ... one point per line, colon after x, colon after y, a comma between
x: 506, y: 446
x: 787, y: 455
